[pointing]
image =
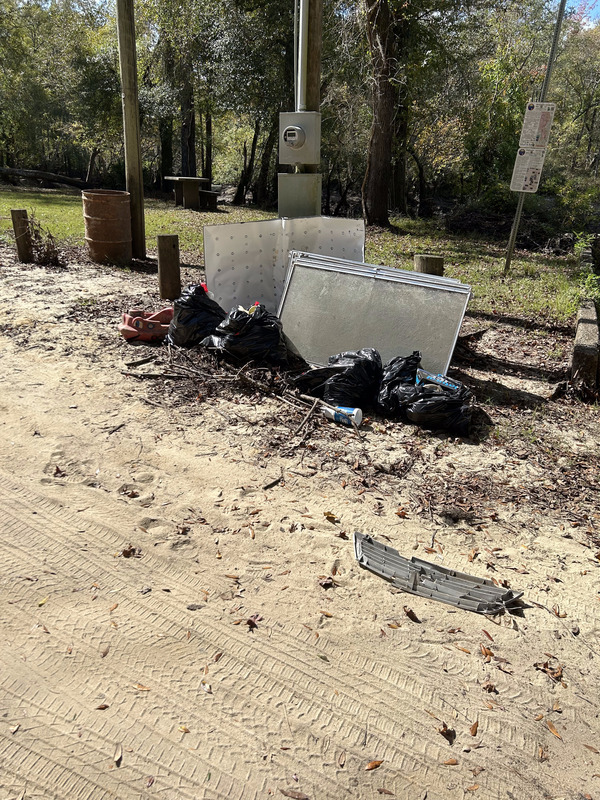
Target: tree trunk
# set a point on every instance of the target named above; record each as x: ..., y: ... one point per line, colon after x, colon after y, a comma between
x: 91, y: 164
x: 375, y: 186
x: 208, y: 161
x: 261, y: 188
x: 165, y: 159
x: 188, y: 126
x: 44, y: 176
x: 246, y: 176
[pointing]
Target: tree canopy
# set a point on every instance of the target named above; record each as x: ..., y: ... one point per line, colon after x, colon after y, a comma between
x: 422, y: 100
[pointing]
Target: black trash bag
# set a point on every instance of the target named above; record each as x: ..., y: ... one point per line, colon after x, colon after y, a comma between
x: 313, y: 381
x: 438, y: 408
x: 195, y: 316
x: 250, y: 336
x: 358, y: 384
x: 398, y: 384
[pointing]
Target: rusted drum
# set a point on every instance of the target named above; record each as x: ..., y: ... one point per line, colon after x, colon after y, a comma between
x: 107, y: 215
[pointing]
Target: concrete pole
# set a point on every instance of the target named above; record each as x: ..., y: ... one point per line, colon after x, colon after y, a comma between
x: 131, y: 124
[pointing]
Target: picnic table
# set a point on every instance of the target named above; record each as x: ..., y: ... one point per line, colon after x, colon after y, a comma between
x: 187, y: 190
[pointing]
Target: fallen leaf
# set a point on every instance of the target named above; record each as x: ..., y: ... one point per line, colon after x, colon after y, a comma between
x: 593, y: 749
x: 538, y: 717
x: 102, y: 707
x: 118, y: 756
x: 473, y: 728
x: 489, y: 687
x: 15, y: 728
x: 325, y: 613
x: 556, y: 707
x: 464, y: 649
x: 373, y: 765
x: 488, y: 635
x: 294, y: 794
x: 473, y: 788
x: 184, y: 729
x: 149, y: 781
x: 386, y: 791
x: 410, y: 614
x: 112, y: 608
x: 451, y: 762
x: 557, y: 612
x: 217, y: 657
x: 141, y: 688
x: 342, y: 758
x: 206, y: 687
x: 542, y: 754
x: 104, y: 652
x: 43, y: 602
x: 330, y: 517
x: 552, y: 729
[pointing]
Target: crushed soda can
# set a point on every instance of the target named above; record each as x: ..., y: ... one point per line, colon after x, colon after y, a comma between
x: 344, y: 415
x: 439, y: 380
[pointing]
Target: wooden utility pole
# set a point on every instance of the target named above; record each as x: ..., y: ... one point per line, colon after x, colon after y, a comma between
x: 313, y: 72
x: 131, y: 124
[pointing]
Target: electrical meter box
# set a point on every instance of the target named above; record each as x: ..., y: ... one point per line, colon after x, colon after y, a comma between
x: 300, y: 137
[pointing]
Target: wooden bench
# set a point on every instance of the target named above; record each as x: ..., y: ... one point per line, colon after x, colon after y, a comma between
x: 208, y: 199
x: 186, y: 190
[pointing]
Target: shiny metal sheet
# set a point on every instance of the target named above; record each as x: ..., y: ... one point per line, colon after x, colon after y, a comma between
x: 247, y: 261
x: 328, y: 308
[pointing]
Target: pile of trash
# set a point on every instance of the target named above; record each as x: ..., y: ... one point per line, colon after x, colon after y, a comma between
x: 351, y: 382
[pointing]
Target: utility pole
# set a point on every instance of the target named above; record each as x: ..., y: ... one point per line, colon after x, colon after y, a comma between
x: 131, y: 124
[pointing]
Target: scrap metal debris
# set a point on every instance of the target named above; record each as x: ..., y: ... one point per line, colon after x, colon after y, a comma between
x: 425, y: 579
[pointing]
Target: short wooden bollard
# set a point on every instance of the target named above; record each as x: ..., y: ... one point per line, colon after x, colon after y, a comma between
x: 22, y: 235
x: 169, y: 273
x: 430, y: 264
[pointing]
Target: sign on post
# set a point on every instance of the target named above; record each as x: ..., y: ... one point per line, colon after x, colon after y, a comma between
x: 532, y: 147
x: 528, y: 169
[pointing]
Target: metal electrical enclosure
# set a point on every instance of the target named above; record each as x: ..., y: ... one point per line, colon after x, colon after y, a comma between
x: 300, y: 137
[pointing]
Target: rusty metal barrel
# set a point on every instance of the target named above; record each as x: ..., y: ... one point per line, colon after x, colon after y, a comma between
x: 107, y: 216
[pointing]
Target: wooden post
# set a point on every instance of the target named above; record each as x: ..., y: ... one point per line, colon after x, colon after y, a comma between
x: 169, y: 275
x: 432, y: 265
x: 131, y: 124
x: 22, y: 235
x: 313, y: 72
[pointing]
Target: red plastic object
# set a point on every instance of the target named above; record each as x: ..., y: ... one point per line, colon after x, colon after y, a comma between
x: 145, y: 326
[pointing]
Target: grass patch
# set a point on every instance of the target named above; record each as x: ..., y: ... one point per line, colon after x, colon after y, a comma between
x: 539, y: 285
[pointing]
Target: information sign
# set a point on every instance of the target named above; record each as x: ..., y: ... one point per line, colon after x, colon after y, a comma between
x: 528, y: 169
x: 536, y: 124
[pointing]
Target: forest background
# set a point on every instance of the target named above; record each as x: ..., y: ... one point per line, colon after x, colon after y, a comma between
x: 453, y: 78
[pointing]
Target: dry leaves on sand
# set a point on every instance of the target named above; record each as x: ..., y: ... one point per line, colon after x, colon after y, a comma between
x: 295, y: 795
x: 373, y: 765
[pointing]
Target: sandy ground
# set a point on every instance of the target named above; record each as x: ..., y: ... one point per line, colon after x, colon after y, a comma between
x: 182, y: 613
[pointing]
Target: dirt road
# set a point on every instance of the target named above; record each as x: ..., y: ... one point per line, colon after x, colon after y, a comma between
x: 182, y: 613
